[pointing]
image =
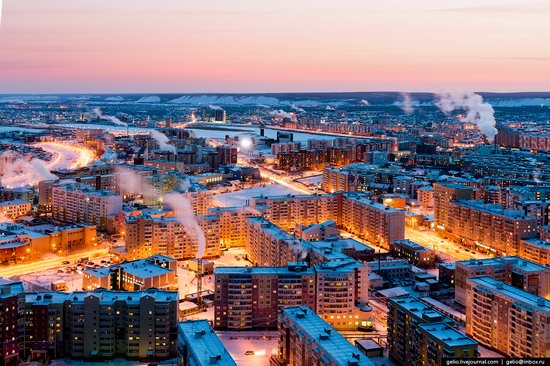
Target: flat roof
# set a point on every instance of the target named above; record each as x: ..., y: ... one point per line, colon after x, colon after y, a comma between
x: 513, y: 293
x: 517, y: 262
x: 447, y: 335
x: 143, y: 268
x: 261, y: 271
x: 339, y: 351
x: 203, y: 343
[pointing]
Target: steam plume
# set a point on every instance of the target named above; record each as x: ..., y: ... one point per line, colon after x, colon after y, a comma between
x: 406, y: 105
x: 21, y: 172
x: 477, y: 111
x: 297, y: 109
x: 116, y: 121
x: 130, y: 182
x: 214, y: 107
x: 163, y: 141
x: 183, y: 209
x: 281, y: 114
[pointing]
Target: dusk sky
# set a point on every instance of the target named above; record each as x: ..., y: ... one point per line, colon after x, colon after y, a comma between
x: 158, y: 46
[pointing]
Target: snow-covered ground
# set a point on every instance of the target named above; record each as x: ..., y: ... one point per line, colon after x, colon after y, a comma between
x: 44, y: 279
x: 239, y: 198
x: 262, y: 343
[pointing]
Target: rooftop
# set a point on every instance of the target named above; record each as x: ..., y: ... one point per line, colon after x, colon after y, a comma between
x: 339, y: 351
x: 143, y: 268
x: 447, y: 335
x: 203, y: 343
x: 516, y: 262
x: 513, y: 293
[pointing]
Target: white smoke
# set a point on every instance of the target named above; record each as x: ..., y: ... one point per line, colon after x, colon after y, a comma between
x: 299, y: 250
x: 131, y: 183
x: 477, y: 111
x: 23, y: 172
x: 407, y: 104
x: 163, y: 141
x: 364, y: 102
x: 183, y: 210
x: 281, y: 114
x: 215, y: 107
x: 330, y: 108
x: 116, y: 121
x: 297, y: 109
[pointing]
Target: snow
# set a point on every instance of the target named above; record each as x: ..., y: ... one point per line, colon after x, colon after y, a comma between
x: 239, y: 198
x: 262, y: 343
x: 42, y: 280
x: 149, y: 99
x: 115, y: 99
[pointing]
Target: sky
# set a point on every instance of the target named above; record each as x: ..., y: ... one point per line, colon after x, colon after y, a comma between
x: 179, y: 46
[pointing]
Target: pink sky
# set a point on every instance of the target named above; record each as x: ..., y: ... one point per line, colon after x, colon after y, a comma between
x: 274, y: 45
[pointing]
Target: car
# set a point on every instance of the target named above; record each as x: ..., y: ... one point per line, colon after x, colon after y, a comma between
x: 249, y: 353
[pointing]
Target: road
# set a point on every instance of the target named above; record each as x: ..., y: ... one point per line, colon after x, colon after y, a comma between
x: 66, y: 155
x: 42, y: 265
x: 449, y: 249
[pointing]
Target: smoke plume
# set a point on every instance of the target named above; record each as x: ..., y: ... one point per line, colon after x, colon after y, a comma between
x: 297, y: 109
x: 163, y: 141
x: 407, y: 104
x: 477, y: 111
x: 21, y: 172
x: 215, y: 107
x: 116, y: 121
x: 183, y: 209
x: 281, y: 114
x: 131, y: 183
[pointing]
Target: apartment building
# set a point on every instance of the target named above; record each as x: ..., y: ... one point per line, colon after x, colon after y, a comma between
x: 342, y: 288
x: 290, y: 210
x: 268, y: 245
x: 315, y: 232
x: 150, y: 234
x: 507, y: 319
x: 486, y: 226
x: 232, y: 224
x: 10, y: 294
x: 157, y: 271
x: 535, y: 250
x: 372, y: 221
x: 414, y: 253
x: 89, y: 325
x: 520, y: 273
x: 198, y: 345
x: 13, y: 210
x: 305, y: 338
x: 251, y: 297
x: 81, y: 204
x: 418, y: 334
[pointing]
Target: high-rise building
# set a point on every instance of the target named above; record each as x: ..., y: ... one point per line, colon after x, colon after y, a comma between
x: 420, y: 335
x: 520, y: 273
x: 372, y: 221
x: 198, y: 345
x: 147, y: 235
x: 88, y: 325
x: 507, y: 319
x: 80, y: 204
x: 305, y: 338
x: 251, y: 297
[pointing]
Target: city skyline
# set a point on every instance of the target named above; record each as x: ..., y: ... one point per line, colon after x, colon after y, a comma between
x: 126, y: 46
